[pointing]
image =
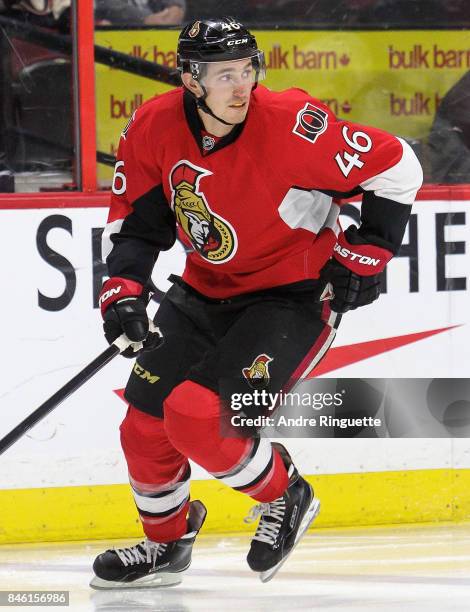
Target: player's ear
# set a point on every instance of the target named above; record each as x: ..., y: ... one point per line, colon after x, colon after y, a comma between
x: 191, y: 84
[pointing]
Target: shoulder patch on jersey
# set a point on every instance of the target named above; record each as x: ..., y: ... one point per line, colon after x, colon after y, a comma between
x: 312, y: 121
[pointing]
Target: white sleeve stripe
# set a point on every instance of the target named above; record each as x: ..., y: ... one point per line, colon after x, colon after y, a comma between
x: 305, y: 209
x: 331, y: 220
x: 400, y: 182
x: 106, y: 244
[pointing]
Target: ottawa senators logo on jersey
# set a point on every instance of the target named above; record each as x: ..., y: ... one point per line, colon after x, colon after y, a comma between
x: 257, y: 374
x: 212, y: 237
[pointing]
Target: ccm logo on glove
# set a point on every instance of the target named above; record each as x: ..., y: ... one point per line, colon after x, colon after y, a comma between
x: 363, y: 259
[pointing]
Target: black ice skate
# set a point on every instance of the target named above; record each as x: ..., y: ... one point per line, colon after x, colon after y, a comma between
x: 283, y: 522
x: 149, y: 564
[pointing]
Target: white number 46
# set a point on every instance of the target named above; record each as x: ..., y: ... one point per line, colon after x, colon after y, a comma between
x: 360, y: 142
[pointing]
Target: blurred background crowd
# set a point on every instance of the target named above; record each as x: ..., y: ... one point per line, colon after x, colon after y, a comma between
x: 272, y: 13
x: 36, y: 92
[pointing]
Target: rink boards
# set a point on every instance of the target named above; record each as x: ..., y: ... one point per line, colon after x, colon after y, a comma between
x: 66, y: 479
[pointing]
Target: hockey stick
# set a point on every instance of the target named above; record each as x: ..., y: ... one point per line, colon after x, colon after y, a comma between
x: 117, y: 347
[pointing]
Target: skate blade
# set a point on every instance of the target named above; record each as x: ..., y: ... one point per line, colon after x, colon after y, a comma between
x: 146, y: 582
x: 309, y: 517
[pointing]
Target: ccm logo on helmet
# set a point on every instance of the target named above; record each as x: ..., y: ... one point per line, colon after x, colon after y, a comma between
x: 362, y: 259
x: 238, y: 41
x: 107, y: 294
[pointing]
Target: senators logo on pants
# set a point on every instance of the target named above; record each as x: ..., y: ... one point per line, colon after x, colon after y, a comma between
x: 258, y: 373
x: 211, y: 235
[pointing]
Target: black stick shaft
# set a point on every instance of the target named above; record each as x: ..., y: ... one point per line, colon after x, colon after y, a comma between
x: 72, y: 385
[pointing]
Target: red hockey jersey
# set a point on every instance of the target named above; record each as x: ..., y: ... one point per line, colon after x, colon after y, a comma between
x: 257, y: 206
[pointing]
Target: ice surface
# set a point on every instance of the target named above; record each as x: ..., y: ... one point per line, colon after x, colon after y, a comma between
x: 425, y: 568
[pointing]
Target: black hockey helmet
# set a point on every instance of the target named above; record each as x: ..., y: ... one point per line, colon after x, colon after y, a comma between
x: 217, y: 40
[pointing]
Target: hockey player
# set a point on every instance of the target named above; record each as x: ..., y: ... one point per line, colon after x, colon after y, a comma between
x: 248, y: 176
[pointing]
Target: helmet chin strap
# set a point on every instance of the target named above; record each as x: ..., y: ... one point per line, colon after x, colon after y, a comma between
x: 202, y: 104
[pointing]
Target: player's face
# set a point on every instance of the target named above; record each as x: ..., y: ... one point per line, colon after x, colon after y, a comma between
x: 229, y: 86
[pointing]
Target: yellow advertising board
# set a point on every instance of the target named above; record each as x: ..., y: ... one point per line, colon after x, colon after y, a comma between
x: 391, y: 79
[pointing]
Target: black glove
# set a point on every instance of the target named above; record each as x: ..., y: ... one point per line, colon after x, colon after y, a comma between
x: 354, y: 271
x: 124, y: 308
x: 350, y: 290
